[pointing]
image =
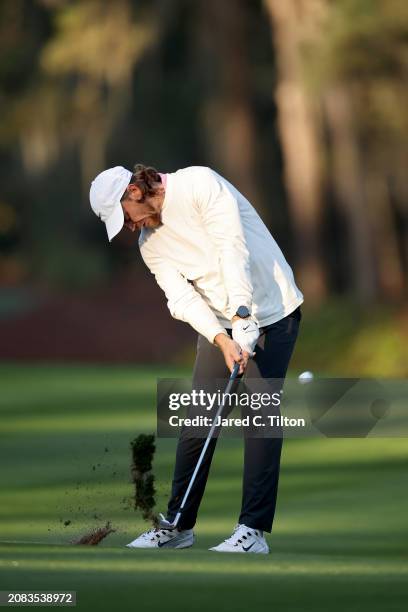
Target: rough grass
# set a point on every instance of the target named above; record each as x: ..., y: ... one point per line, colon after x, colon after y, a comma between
x: 344, y: 340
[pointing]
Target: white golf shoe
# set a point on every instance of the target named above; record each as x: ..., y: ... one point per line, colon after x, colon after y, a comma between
x: 164, y: 538
x: 244, y: 540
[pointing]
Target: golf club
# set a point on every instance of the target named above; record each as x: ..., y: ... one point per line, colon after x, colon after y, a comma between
x: 164, y: 523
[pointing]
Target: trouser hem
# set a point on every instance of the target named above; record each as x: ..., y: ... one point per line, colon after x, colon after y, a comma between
x: 254, y: 525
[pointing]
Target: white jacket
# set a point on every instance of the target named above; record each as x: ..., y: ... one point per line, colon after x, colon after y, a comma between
x: 213, y: 254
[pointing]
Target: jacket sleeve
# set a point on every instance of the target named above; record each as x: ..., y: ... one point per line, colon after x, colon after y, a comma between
x: 183, y: 301
x: 219, y: 212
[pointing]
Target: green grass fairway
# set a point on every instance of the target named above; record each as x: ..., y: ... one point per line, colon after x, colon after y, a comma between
x: 340, y: 540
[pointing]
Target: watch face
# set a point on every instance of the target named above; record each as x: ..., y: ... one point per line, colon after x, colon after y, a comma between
x: 243, y: 312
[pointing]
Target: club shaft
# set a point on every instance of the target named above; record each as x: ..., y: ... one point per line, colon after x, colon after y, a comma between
x: 232, y: 378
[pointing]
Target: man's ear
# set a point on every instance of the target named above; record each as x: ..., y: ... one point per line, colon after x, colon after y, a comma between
x: 134, y: 192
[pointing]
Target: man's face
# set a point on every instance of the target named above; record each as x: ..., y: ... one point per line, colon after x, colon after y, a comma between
x: 138, y: 214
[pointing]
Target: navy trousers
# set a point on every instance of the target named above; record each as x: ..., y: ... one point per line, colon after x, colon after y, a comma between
x: 261, y: 455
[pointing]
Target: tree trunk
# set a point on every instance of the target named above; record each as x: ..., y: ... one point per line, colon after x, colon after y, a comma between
x: 227, y: 117
x: 300, y: 141
x: 387, y: 257
x: 348, y: 181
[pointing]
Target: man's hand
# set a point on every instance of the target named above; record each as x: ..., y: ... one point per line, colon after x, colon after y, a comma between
x: 246, y: 333
x: 232, y: 352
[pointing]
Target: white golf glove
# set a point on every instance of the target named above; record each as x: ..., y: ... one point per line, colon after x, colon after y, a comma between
x: 246, y: 333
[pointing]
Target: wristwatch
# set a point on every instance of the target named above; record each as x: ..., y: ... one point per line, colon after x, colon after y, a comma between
x: 243, y: 312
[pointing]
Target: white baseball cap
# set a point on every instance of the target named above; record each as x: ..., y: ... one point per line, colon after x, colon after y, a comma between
x: 105, y: 194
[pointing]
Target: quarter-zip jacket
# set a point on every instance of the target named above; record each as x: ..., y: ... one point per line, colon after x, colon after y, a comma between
x: 213, y: 253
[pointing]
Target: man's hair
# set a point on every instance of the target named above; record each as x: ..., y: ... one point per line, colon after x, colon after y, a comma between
x: 146, y: 178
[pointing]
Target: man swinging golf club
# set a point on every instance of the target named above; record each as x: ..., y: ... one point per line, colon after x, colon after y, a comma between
x: 224, y: 274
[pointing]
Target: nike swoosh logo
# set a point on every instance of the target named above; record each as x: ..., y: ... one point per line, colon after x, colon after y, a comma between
x: 245, y: 328
x: 160, y: 544
x: 248, y: 547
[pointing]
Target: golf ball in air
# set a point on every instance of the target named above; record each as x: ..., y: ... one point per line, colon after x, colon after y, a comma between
x: 305, y: 378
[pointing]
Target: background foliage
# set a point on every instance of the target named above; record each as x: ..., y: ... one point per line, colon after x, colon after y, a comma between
x: 301, y: 104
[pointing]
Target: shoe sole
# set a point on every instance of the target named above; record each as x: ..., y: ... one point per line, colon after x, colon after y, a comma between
x: 241, y: 552
x: 179, y: 545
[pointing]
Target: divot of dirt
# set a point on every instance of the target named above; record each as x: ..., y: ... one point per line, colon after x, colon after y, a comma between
x: 143, y: 448
x: 94, y: 537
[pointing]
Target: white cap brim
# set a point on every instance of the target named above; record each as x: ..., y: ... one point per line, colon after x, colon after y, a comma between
x: 115, y: 222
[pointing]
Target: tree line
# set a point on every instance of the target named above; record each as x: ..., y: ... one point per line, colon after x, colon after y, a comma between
x: 301, y: 104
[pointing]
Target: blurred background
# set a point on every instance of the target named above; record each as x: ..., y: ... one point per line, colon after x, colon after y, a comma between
x: 302, y: 104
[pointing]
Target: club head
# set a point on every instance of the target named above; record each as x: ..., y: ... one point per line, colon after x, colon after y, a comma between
x: 165, y: 524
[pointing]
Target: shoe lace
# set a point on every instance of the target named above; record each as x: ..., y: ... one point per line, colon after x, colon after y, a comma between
x: 240, y: 534
x: 154, y: 533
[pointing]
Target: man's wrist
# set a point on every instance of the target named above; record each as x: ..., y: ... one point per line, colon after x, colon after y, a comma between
x: 221, y: 338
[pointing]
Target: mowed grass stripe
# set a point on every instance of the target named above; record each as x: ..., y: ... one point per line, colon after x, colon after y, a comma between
x: 194, y: 563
